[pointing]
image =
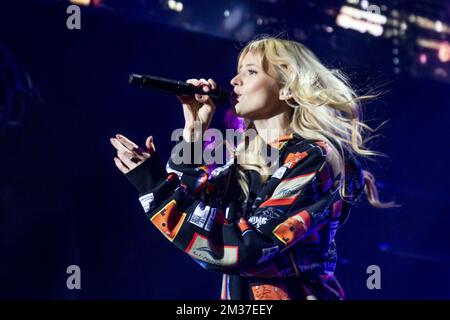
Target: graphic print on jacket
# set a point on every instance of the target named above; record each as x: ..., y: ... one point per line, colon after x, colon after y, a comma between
x: 285, y: 230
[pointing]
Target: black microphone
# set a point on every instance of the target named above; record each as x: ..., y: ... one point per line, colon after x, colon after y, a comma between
x: 219, y: 95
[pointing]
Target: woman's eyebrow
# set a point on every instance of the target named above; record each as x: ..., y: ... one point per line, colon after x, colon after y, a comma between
x: 248, y: 64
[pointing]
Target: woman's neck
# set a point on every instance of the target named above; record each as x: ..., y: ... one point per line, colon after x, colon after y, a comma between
x: 273, y: 128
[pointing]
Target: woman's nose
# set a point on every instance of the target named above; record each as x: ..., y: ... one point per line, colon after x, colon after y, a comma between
x: 234, y: 82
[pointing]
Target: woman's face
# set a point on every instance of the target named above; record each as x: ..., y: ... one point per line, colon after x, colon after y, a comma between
x: 256, y: 93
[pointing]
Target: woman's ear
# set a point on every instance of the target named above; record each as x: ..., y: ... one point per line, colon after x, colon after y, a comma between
x: 285, y: 94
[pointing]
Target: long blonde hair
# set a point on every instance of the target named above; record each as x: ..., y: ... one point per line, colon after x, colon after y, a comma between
x: 325, y: 108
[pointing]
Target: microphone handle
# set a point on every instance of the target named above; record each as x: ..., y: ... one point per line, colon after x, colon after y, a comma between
x: 173, y: 86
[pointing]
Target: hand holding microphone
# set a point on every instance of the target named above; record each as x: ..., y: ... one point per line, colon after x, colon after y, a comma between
x: 198, y: 108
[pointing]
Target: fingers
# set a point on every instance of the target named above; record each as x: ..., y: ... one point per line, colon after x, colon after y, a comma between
x: 206, y: 85
x: 199, y: 83
x: 124, y: 169
x: 150, y: 145
x: 130, y: 145
x: 213, y: 84
x: 188, y: 99
x: 193, y: 104
x: 128, y: 158
x: 122, y: 144
x: 121, y: 149
x: 129, y: 155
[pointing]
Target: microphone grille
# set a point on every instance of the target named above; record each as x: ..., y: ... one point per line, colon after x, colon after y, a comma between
x: 134, y: 78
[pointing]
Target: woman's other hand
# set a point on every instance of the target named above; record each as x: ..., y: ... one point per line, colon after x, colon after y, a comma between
x: 129, y: 154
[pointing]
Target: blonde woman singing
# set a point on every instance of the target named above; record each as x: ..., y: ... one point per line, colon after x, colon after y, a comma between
x: 270, y: 232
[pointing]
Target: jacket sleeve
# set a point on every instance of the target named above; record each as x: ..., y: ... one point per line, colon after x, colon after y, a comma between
x: 295, y: 199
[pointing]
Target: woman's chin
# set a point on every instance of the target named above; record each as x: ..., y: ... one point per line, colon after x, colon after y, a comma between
x: 236, y: 110
x: 239, y: 111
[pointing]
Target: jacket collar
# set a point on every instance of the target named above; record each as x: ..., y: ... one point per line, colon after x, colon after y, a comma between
x: 283, y: 141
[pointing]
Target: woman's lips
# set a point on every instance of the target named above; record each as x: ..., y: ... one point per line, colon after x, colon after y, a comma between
x: 235, y: 97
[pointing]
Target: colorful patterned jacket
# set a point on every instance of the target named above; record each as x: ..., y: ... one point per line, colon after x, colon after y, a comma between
x: 279, y: 244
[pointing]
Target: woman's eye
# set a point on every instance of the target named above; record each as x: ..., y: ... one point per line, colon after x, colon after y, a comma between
x: 252, y: 72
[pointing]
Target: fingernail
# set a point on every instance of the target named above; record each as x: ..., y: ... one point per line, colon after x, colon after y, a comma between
x: 118, y: 136
x: 112, y: 139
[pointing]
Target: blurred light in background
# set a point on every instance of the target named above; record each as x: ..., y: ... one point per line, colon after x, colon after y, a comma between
x: 423, y: 58
x: 94, y: 3
x: 175, y: 5
x: 411, y: 37
x: 349, y: 22
x: 444, y: 52
x: 81, y: 2
x: 233, y: 18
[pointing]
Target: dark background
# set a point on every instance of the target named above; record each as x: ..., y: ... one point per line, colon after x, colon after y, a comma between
x: 63, y: 202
